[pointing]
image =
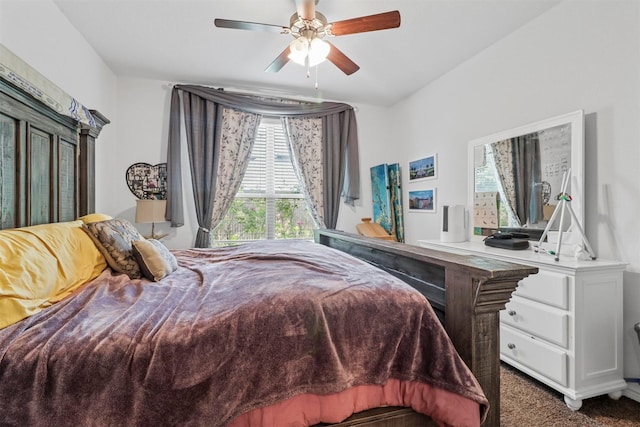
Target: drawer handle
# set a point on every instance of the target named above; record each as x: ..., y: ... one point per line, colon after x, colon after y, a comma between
x: 511, y: 312
x: 511, y: 346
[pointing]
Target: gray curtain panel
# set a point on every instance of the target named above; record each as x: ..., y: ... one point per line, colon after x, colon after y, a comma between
x: 528, y: 176
x: 517, y: 162
x: 174, y: 212
x: 340, y: 158
x: 202, y: 125
x: 340, y: 142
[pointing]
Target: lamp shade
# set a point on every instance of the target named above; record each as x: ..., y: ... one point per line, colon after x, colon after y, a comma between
x: 148, y: 210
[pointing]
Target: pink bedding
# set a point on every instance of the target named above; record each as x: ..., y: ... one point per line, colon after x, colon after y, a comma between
x: 449, y: 409
x: 230, y: 331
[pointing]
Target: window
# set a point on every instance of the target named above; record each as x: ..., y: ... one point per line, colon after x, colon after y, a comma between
x: 270, y: 203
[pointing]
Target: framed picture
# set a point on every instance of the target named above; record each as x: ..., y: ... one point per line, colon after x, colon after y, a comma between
x: 422, y: 200
x: 424, y: 168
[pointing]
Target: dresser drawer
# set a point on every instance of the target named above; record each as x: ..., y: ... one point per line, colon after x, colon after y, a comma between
x: 547, y: 287
x: 542, y: 321
x: 543, y: 358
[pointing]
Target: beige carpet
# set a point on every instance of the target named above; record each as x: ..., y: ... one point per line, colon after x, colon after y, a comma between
x: 528, y: 403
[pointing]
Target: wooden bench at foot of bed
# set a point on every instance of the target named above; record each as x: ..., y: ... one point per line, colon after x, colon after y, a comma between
x: 466, y: 291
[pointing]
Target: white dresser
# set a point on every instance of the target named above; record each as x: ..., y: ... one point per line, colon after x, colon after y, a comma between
x: 563, y: 326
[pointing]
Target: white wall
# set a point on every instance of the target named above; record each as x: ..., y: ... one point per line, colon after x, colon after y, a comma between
x: 65, y: 58
x: 377, y: 145
x: 579, y: 55
x: 143, y: 111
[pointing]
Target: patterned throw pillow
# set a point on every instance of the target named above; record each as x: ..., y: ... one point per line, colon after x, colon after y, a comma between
x: 154, y: 259
x: 113, y: 239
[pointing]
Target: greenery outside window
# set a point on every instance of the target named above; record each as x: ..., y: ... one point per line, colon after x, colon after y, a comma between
x: 270, y: 203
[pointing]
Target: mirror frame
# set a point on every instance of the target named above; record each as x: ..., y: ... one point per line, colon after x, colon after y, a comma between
x: 576, y: 120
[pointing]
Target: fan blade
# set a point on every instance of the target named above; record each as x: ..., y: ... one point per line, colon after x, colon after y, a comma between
x: 279, y: 62
x: 341, y: 60
x: 252, y: 26
x: 380, y: 21
x: 306, y: 9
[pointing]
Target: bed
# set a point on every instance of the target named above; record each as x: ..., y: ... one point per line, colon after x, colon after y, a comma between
x: 206, y: 343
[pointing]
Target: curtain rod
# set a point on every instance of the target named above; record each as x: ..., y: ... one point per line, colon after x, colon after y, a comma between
x: 262, y: 92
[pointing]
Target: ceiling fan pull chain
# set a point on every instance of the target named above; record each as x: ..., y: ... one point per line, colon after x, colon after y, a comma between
x: 316, y: 85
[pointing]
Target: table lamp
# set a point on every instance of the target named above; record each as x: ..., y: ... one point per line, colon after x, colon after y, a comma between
x: 151, y: 211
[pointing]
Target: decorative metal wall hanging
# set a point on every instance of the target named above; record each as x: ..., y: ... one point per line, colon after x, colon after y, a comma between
x: 148, y: 181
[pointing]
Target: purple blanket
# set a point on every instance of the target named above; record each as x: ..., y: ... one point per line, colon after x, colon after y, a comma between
x: 231, y: 330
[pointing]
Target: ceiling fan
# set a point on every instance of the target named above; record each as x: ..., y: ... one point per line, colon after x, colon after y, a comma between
x: 309, y: 28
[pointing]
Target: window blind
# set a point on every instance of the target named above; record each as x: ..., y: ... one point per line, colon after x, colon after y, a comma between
x: 270, y: 171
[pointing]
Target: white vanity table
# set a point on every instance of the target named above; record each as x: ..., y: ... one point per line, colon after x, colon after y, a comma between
x: 563, y: 326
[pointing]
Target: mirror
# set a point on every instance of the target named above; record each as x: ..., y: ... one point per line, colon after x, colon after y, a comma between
x: 516, y: 176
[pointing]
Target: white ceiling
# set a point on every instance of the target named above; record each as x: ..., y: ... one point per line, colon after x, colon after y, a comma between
x: 176, y: 41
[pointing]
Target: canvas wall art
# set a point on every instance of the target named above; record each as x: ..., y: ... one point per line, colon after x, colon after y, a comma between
x: 422, y: 200
x: 424, y: 168
x: 387, y: 199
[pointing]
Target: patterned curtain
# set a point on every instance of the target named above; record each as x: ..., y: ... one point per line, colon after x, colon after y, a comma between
x: 305, y: 145
x: 232, y: 154
x: 503, y: 158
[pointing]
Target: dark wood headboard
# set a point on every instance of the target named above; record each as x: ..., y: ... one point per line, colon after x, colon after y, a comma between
x: 47, y: 161
x: 466, y: 291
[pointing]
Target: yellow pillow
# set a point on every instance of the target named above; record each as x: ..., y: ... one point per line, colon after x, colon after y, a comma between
x: 94, y: 217
x: 43, y: 264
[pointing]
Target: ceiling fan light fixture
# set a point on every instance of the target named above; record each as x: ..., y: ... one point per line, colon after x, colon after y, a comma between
x: 298, y: 50
x: 318, y: 51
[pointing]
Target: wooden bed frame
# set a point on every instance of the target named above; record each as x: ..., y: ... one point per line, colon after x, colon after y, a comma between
x: 47, y: 163
x: 466, y: 291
